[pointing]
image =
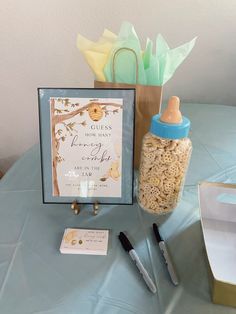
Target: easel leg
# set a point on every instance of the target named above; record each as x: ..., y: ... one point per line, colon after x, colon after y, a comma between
x: 95, y: 208
x: 75, y: 207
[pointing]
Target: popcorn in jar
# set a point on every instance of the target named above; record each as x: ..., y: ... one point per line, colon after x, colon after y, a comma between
x: 165, y: 156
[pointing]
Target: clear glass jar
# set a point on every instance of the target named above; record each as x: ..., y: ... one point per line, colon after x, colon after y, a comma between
x: 163, y: 165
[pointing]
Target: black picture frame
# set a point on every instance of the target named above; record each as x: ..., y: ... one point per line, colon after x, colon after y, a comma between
x: 45, y: 94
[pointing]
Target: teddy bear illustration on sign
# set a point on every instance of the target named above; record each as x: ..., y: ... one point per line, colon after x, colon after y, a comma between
x: 113, y: 171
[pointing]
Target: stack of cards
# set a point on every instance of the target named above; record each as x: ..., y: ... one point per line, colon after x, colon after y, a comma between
x: 84, y: 241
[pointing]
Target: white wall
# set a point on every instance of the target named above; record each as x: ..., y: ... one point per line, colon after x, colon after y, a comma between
x: 37, y: 48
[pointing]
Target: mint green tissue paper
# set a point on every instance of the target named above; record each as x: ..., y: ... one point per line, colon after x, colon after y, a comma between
x: 147, y: 54
x: 152, y: 74
x: 161, y: 46
x: 168, y: 60
x: 125, y: 61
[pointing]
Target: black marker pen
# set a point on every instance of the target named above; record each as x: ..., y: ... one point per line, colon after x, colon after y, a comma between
x: 166, y: 256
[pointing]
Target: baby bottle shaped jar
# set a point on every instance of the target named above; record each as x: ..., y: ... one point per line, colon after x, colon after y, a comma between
x: 166, y: 151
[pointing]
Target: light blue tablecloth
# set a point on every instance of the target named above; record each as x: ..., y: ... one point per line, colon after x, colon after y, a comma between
x: 36, y: 278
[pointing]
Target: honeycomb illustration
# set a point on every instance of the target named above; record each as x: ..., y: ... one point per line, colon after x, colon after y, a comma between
x: 95, y: 112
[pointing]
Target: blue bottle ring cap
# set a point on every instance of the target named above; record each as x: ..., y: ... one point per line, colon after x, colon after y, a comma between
x: 168, y: 130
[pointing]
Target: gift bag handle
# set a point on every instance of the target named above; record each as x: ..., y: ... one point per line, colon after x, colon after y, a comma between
x: 113, y: 62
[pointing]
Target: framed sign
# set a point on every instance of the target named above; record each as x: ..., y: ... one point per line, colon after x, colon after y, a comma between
x: 87, y: 139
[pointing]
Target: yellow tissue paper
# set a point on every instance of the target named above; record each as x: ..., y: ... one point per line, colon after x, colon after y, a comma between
x: 96, y: 53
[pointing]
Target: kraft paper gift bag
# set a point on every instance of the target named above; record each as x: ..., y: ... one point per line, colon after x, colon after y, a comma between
x: 148, y: 101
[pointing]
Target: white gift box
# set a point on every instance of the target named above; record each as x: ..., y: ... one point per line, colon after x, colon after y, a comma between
x: 218, y: 219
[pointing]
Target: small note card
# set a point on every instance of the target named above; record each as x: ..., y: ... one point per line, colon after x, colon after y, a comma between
x: 84, y: 241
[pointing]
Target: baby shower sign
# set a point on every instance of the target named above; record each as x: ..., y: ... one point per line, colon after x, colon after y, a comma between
x: 86, y: 146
